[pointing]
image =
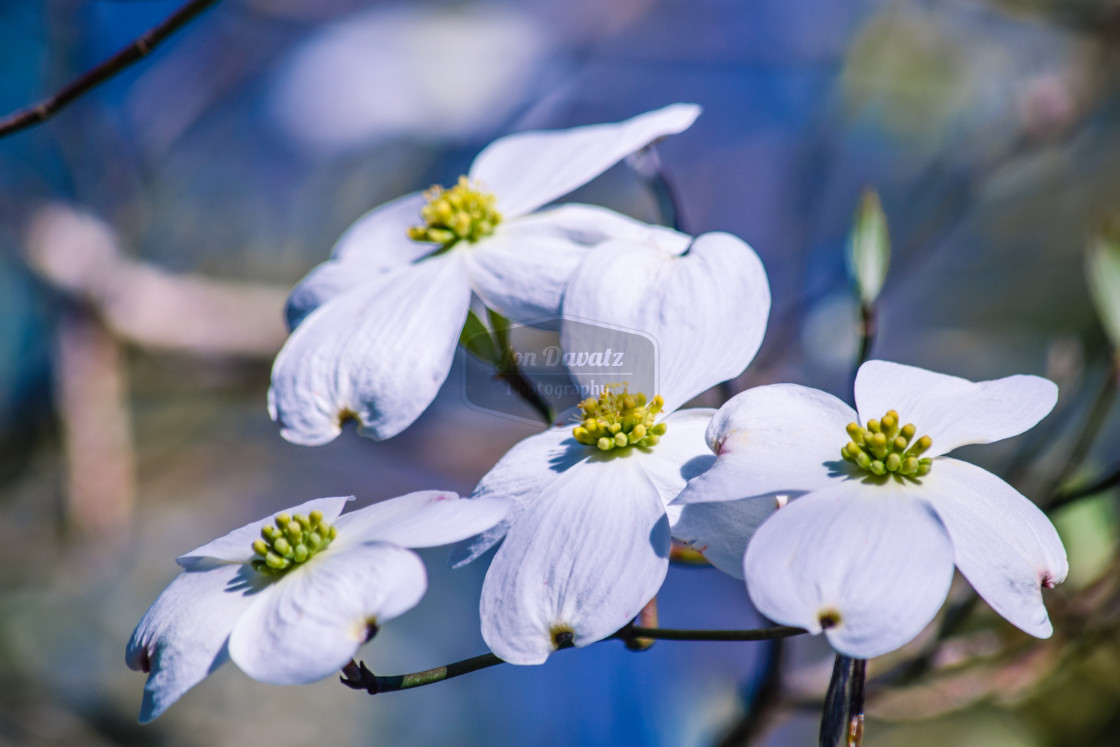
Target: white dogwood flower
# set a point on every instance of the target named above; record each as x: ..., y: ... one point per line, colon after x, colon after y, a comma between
x: 376, y: 326
x: 291, y: 597
x: 878, y: 516
x: 588, y: 544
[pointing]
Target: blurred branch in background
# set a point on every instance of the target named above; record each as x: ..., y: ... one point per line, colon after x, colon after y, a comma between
x: 91, y: 383
x: 138, y: 49
x: 115, y: 300
x: 146, y: 306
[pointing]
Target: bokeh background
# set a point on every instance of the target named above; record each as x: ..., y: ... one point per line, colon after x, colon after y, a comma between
x: 149, y: 234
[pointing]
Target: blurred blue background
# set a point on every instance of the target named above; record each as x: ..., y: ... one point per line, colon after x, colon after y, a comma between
x: 149, y: 233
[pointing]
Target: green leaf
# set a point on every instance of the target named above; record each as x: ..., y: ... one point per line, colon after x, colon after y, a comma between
x: 869, y: 248
x: 500, y: 326
x: 1102, y: 268
x: 476, y: 338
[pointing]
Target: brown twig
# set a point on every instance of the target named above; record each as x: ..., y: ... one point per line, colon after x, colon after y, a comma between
x: 87, y: 81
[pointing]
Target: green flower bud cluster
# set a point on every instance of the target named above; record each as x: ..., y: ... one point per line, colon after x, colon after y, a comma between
x: 293, y: 540
x: 615, y: 421
x: 452, y: 215
x: 884, y: 448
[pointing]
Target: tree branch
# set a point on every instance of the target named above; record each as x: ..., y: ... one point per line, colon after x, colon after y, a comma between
x: 87, y: 81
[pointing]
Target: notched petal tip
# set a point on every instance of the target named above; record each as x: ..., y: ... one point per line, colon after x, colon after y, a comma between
x: 562, y: 636
x: 829, y: 617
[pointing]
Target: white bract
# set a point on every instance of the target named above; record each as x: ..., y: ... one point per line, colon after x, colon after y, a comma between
x: 291, y: 597
x: 865, y: 548
x: 375, y: 327
x: 588, y: 542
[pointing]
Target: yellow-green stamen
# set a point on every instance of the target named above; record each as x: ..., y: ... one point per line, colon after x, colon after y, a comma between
x: 462, y: 213
x: 291, y: 541
x: 885, y: 448
x: 616, y: 421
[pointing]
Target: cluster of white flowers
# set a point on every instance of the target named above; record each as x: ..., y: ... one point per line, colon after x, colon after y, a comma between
x: 873, y: 517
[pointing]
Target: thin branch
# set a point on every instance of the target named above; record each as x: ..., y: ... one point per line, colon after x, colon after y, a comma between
x: 1098, y: 414
x: 842, y: 720
x: 1110, y: 480
x: 87, y: 81
x: 672, y: 634
x: 357, y: 676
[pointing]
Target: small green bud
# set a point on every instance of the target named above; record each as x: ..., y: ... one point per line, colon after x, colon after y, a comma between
x: 260, y: 547
x: 894, y: 461
x: 863, y: 461
x: 878, y: 468
x: 300, y: 554
x: 620, y: 440
x: 282, y: 546
x: 855, y: 433
x: 316, y: 517
x: 605, y: 444
x: 1102, y: 268
x: 869, y: 248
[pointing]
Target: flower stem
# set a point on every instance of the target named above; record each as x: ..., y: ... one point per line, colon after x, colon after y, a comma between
x: 868, y: 325
x: 509, y: 372
x: 842, y: 720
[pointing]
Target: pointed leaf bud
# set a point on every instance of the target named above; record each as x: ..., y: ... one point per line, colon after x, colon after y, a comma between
x: 1102, y: 268
x: 869, y: 248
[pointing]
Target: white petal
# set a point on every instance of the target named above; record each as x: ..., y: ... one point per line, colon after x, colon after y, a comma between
x: 530, y: 169
x: 584, y: 558
x: 1004, y: 545
x: 379, y: 353
x: 706, y: 310
x: 522, y: 270
x: 592, y: 225
x: 236, y: 547
x: 520, y: 476
x: 720, y: 531
x: 950, y: 410
x: 375, y: 243
x: 680, y: 455
x: 309, y: 624
x: 381, y: 235
x: 424, y: 519
x: 779, y: 439
x: 182, y: 637
x: 875, y: 557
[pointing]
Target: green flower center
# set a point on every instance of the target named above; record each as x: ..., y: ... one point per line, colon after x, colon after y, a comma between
x: 293, y: 540
x: 464, y: 212
x: 884, y: 448
x: 616, y: 421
